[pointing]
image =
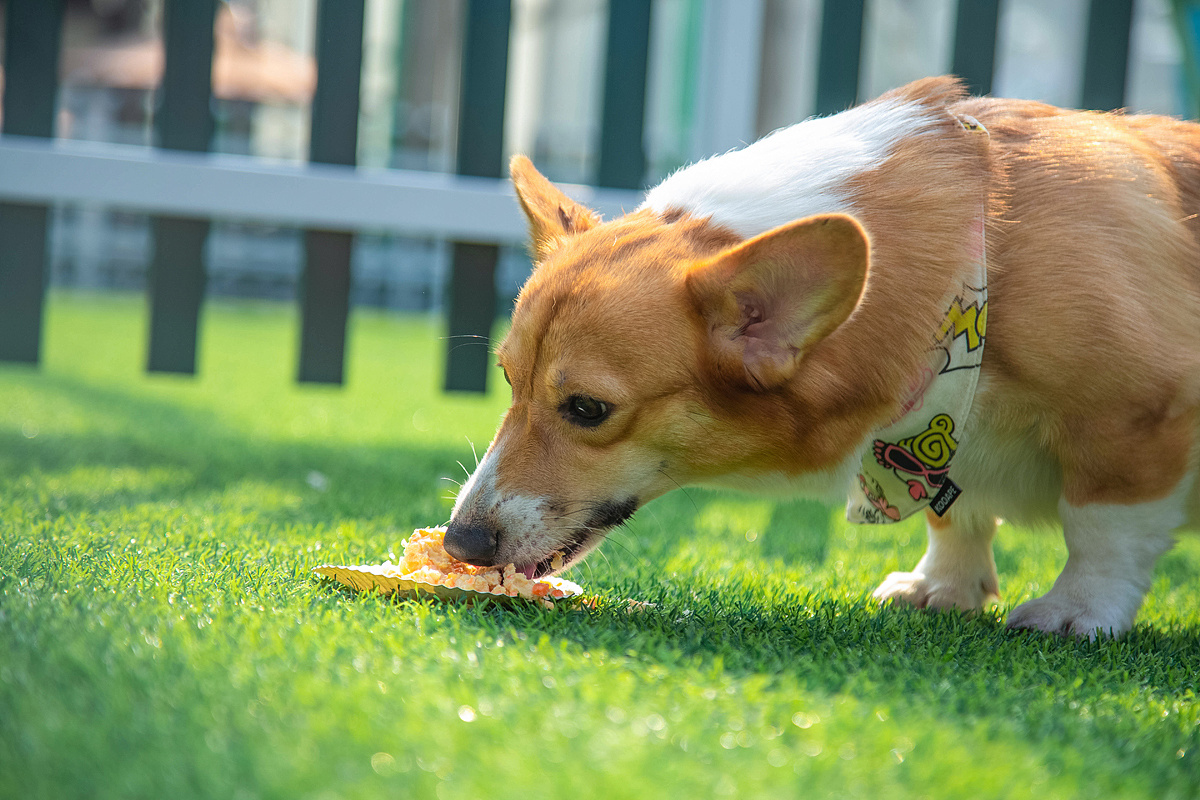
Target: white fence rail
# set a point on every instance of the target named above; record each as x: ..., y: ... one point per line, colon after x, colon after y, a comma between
x: 174, y: 183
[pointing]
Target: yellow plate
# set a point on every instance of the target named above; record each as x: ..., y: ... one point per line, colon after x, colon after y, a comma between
x: 373, y: 577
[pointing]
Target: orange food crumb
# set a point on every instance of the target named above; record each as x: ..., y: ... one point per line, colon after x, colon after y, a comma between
x: 425, y: 560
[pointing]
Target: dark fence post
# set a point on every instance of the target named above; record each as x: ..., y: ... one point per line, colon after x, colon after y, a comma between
x: 841, y: 55
x: 472, y: 295
x: 1186, y: 17
x: 622, y: 162
x: 1107, y: 61
x: 184, y: 121
x: 975, y: 43
x: 325, y: 283
x: 32, y: 37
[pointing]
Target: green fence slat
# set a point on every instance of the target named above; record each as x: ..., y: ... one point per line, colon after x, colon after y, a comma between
x: 841, y: 55
x: 975, y: 43
x: 183, y: 120
x: 22, y: 280
x: 325, y: 280
x: 622, y: 162
x: 176, y: 286
x: 32, y: 38
x: 480, y: 149
x: 1106, y: 62
x: 325, y: 305
x: 339, y: 51
x: 472, y: 301
x: 471, y: 310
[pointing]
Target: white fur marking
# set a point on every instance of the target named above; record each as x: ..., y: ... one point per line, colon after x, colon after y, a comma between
x: 520, y: 520
x: 1004, y: 474
x: 1110, y: 564
x: 479, y: 488
x: 793, y: 173
x: 957, y: 570
x: 517, y: 513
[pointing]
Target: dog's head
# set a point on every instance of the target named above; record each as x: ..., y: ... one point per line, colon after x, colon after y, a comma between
x: 646, y: 353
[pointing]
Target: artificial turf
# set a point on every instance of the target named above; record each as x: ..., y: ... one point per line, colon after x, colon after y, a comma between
x: 161, y: 634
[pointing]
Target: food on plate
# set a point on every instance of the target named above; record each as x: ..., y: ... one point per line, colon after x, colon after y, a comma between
x: 426, y: 563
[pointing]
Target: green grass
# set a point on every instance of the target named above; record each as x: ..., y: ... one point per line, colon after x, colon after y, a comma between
x: 161, y: 636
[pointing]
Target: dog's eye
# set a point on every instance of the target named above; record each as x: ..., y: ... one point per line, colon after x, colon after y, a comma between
x: 583, y: 410
x: 506, y: 378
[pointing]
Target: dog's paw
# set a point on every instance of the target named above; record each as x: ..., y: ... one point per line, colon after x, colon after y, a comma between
x: 923, y: 591
x: 1065, y: 615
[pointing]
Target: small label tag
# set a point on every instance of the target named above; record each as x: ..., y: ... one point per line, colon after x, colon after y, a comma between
x: 945, y: 497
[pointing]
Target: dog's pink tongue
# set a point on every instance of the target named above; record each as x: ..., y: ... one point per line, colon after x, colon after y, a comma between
x: 529, y: 571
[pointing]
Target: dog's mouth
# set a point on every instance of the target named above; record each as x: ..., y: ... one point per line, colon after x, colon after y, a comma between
x: 564, y: 557
x: 603, y: 517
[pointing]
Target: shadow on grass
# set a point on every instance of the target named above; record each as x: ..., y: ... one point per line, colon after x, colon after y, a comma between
x: 144, y: 451
x: 838, y: 644
x: 798, y: 531
x: 961, y: 671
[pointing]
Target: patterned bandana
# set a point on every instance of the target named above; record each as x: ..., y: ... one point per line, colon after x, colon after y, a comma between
x: 906, y: 469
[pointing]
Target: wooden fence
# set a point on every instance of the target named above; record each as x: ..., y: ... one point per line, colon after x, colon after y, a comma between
x: 184, y: 187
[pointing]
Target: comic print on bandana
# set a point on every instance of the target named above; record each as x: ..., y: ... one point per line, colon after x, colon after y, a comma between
x: 921, y: 461
x: 962, y: 333
x: 906, y: 465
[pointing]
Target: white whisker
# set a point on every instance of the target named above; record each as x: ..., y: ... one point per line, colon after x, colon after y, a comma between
x: 681, y: 488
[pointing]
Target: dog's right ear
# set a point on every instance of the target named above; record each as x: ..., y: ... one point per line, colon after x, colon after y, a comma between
x: 767, y: 301
x: 552, y: 215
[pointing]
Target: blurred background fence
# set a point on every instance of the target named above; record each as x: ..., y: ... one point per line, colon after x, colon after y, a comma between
x: 351, y: 152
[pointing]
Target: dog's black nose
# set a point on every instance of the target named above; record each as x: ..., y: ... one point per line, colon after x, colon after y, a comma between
x: 472, y: 543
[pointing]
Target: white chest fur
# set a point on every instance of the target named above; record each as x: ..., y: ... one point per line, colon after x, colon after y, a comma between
x: 1005, y: 474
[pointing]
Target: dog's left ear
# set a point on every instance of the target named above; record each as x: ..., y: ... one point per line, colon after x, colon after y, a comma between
x: 768, y: 300
x: 552, y: 215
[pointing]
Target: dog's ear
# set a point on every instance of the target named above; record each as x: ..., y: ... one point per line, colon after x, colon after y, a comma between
x: 552, y: 215
x: 768, y: 300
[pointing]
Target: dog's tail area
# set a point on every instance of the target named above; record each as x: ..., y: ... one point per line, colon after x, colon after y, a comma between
x: 936, y: 92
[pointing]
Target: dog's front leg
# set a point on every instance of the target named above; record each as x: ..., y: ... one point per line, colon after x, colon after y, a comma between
x: 957, y: 570
x: 1111, y: 551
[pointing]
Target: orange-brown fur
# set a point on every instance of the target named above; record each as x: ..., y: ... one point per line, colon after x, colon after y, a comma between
x: 1095, y: 296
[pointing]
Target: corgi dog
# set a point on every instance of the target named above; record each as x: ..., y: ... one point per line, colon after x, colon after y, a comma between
x: 967, y: 307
